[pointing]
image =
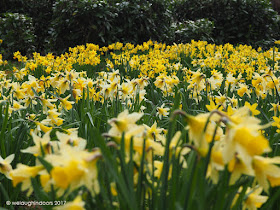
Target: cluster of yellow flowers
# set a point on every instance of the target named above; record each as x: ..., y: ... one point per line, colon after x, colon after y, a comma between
x: 224, y: 75
x: 72, y: 166
x: 239, y: 147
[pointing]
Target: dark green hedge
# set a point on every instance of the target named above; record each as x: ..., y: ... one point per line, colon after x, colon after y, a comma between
x: 252, y: 22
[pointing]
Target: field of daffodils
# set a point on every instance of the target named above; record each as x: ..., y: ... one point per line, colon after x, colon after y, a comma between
x: 151, y: 126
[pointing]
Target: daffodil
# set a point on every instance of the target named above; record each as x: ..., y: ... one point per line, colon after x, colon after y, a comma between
x: 276, y: 123
x: 162, y: 112
x: 67, y: 105
x: 154, y: 133
x: 47, y: 103
x: 54, y: 118
x: 275, y: 108
x: 63, y: 86
x: 197, y: 135
x: 252, y: 108
x: 43, y: 127
x: 213, y: 106
x: 23, y: 174
x: 5, y: 165
x: 176, y: 149
x: 76, y: 204
x: 266, y: 171
x: 237, y: 166
x: 43, y: 145
x: 243, y: 88
x: 73, y: 169
x: 255, y: 199
x: 158, y: 169
x: 243, y: 143
x: 216, y: 163
x: 71, y: 140
x: 124, y: 122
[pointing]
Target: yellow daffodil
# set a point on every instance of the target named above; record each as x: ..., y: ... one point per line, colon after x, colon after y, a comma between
x: 154, y: 133
x: 5, y: 165
x: 123, y: 122
x: 42, y: 145
x: 266, y: 171
x: 255, y: 199
x: 67, y: 105
x: 76, y: 204
x: 23, y: 174
x: 252, y: 108
x: 162, y: 112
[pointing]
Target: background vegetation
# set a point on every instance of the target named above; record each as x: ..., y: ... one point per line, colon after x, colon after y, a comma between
x: 59, y: 24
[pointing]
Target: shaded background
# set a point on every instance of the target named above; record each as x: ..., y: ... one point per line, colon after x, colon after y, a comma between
x: 55, y: 25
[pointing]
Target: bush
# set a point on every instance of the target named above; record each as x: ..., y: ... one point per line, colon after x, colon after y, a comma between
x: 142, y: 20
x: 41, y: 13
x: 13, y: 6
x: 17, y: 33
x: 201, y: 29
x: 78, y: 22
x: 236, y: 21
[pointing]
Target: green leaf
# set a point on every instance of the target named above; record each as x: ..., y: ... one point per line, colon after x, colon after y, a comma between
x: 46, y: 164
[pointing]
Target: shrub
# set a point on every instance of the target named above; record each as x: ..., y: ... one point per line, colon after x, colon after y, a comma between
x: 12, y: 6
x: 41, y: 13
x: 78, y: 22
x: 143, y: 20
x: 236, y: 21
x: 201, y: 29
x: 17, y: 33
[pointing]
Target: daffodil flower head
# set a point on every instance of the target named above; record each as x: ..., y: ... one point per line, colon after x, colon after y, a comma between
x: 5, y: 165
x: 23, y: 174
x: 266, y: 171
x: 255, y: 199
x: 43, y: 145
x: 201, y: 130
x: 74, y: 168
x: 67, y: 105
x: 162, y: 112
x: 124, y: 121
x: 71, y: 140
x: 252, y: 108
x: 76, y: 204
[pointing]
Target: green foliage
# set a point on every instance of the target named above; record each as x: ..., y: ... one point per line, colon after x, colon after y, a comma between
x: 60, y: 24
x: 11, y: 6
x: 17, y: 33
x: 236, y: 21
x: 78, y: 22
x: 41, y: 13
x: 201, y: 29
x: 142, y: 20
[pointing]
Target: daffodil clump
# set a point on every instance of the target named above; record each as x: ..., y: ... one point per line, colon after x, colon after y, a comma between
x: 142, y: 126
